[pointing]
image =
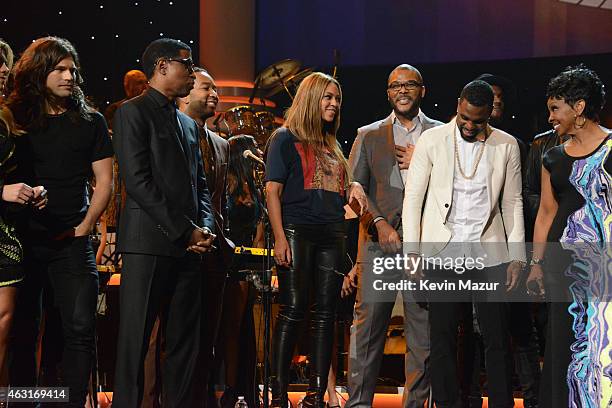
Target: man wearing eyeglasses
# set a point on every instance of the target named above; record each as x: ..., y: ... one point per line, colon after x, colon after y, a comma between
x: 166, y: 224
x: 383, y: 179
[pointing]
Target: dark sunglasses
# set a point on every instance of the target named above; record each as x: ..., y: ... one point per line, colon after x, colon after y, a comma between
x: 187, y: 62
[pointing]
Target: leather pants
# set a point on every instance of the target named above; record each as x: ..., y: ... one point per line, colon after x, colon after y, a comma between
x: 317, y: 252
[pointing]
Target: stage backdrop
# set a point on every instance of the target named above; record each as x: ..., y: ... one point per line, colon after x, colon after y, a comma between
x: 383, y: 32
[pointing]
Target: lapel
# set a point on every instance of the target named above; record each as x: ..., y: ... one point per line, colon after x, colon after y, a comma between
x: 185, y: 156
x: 490, y: 151
x: 386, y: 128
x: 162, y: 118
x: 216, y: 153
x: 448, y: 156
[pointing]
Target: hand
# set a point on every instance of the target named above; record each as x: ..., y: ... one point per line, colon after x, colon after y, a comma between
x: 404, y: 155
x: 201, y: 241
x: 388, y: 238
x: 19, y: 193
x: 513, y: 273
x: 535, y: 281
x: 350, y: 282
x: 40, y: 198
x: 415, y: 273
x: 282, y: 252
x: 356, y: 193
x: 82, y: 230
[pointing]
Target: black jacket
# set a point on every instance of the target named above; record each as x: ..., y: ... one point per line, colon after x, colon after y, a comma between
x: 166, y: 190
x: 532, y: 177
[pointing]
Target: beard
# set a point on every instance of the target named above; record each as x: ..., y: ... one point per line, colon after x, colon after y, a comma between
x: 409, y: 110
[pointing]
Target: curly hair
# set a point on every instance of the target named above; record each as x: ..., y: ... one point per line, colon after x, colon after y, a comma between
x: 579, y: 83
x: 29, y: 98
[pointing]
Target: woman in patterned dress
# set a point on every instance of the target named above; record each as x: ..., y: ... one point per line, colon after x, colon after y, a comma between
x: 573, y: 230
x: 13, y: 195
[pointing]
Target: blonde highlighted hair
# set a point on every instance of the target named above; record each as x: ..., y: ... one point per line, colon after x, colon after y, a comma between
x: 304, y: 119
x: 6, y: 117
x: 6, y: 54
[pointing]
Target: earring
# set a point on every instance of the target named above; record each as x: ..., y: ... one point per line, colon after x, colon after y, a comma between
x: 579, y: 125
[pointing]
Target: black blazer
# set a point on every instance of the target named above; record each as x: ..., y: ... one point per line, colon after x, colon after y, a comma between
x: 220, y: 149
x: 166, y: 193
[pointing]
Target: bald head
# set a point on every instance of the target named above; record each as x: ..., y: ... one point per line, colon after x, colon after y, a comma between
x: 134, y: 83
x: 405, y: 90
x: 405, y: 67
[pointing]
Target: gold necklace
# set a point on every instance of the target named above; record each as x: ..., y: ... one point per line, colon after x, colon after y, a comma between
x: 477, y: 159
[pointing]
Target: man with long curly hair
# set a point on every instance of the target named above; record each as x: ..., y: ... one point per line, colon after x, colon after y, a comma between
x: 66, y: 143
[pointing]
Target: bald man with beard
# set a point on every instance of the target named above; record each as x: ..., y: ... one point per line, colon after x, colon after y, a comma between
x: 379, y: 160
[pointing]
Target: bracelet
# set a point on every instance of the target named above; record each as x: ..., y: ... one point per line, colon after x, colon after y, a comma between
x: 536, y: 261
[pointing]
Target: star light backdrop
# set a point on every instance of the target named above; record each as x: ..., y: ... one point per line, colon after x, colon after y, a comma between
x: 450, y: 42
x: 108, y: 35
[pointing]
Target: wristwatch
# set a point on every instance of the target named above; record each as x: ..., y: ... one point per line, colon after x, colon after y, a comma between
x: 536, y: 261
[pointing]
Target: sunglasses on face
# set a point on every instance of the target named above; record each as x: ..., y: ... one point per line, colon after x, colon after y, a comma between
x: 187, y: 62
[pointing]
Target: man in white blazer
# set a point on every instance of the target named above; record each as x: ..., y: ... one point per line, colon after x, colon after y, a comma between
x: 470, y: 209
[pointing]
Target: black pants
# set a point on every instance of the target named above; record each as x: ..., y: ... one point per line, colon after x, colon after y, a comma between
x: 317, y: 252
x: 146, y: 282
x: 444, y: 318
x: 214, y: 273
x: 560, y: 334
x: 70, y: 267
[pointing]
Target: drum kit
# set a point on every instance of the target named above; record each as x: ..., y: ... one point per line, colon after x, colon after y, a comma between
x: 283, y: 76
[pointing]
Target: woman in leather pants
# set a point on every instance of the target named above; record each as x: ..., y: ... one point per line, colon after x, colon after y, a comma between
x: 307, y: 186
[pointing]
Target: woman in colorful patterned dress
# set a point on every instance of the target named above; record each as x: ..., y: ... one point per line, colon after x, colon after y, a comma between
x: 572, y: 232
x: 11, y: 254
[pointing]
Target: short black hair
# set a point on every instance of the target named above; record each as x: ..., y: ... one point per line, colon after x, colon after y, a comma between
x: 478, y: 93
x: 161, y: 48
x: 576, y: 83
x: 507, y: 86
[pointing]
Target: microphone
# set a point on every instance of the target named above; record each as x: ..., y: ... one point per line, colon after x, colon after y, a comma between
x: 247, y: 154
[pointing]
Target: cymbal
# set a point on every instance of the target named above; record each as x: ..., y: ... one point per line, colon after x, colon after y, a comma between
x: 292, y: 82
x: 270, y: 77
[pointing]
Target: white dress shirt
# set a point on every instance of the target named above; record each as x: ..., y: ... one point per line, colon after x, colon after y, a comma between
x: 403, y: 136
x: 470, y: 206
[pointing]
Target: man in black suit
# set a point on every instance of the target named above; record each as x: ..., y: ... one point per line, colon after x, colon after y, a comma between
x: 200, y: 105
x: 167, y: 222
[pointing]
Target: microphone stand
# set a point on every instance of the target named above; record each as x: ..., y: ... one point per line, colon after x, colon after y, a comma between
x: 266, y: 292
